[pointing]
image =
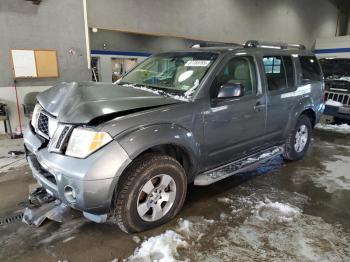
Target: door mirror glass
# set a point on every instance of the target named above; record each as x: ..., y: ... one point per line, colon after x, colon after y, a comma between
x: 231, y: 91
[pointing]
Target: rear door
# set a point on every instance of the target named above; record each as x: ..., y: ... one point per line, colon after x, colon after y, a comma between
x: 234, y: 127
x: 280, y: 77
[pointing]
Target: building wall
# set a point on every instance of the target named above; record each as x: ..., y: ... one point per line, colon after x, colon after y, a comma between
x: 53, y: 24
x: 219, y: 20
x: 106, y: 44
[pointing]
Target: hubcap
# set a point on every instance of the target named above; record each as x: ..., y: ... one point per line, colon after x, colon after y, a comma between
x: 156, y: 198
x: 301, y: 137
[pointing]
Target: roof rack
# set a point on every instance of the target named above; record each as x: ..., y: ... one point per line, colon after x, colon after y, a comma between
x: 214, y: 44
x: 273, y: 45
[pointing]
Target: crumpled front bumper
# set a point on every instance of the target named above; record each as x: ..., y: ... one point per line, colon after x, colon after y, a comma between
x: 93, y: 179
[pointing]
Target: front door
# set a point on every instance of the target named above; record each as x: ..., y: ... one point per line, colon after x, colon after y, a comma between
x: 235, y: 126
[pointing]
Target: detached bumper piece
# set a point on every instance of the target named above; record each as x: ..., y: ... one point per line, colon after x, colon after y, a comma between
x: 41, y: 205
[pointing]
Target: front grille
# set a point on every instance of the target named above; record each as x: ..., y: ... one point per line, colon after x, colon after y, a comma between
x: 43, y: 124
x: 338, y: 97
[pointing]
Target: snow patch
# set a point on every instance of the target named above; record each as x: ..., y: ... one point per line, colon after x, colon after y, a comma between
x: 331, y: 102
x: 225, y: 200
x: 162, y: 248
x: 343, y: 128
x: 337, y: 175
x: 275, y: 212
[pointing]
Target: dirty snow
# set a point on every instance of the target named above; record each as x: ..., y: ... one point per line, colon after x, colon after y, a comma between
x: 7, y: 161
x: 275, y: 212
x: 343, y: 128
x: 336, y: 176
x: 162, y: 248
x: 264, y: 228
x: 331, y: 102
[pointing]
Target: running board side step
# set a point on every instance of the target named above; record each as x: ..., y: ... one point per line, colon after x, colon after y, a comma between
x: 239, y: 166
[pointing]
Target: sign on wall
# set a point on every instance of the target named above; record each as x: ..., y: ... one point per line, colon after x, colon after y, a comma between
x: 34, y: 63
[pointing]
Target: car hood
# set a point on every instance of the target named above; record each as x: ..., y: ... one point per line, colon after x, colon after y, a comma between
x: 81, y: 103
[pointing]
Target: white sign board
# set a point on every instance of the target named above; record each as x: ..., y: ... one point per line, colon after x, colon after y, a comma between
x: 24, y: 63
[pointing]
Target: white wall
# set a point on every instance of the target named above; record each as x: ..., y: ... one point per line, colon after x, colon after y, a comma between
x: 299, y: 21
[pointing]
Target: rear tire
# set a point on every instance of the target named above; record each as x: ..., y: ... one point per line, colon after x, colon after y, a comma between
x: 150, y: 193
x: 298, y: 140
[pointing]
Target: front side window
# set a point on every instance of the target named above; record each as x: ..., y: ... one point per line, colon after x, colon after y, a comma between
x: 174, y: 73
x: 238, y: 70
x: 310, y: 68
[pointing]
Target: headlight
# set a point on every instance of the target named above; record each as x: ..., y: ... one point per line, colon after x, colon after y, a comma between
x: 84, y: 141
x: 35, y: 115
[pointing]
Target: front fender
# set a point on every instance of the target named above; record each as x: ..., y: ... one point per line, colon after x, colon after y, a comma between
x: 139, y: 140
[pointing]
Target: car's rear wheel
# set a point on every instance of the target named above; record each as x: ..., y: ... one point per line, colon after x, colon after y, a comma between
x: 150, y: 193
x: 298, y: 140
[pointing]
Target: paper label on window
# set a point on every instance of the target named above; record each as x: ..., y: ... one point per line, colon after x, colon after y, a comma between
x: 198, y: 63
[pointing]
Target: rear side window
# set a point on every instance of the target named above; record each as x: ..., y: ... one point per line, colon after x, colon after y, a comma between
x: 275, y: 72
x: 310, y: 68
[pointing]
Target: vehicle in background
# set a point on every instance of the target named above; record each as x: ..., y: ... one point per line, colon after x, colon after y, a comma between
x: 337, y: 88
x: 334, y: 55
x: 127, y: 151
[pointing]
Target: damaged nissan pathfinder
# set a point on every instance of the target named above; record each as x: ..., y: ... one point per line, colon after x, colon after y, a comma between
x: 126, y: 152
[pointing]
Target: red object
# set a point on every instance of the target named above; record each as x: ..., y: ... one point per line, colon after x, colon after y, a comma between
x: 18, y: 111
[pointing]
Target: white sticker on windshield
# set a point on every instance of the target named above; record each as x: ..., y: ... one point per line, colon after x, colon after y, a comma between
x: 198, y: 63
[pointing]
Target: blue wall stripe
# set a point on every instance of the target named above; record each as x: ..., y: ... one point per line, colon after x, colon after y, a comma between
x: 332, y: 50
x: 126, y: 53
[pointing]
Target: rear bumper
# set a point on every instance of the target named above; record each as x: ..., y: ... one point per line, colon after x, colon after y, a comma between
x: 93, y: 179
x: 335, y: 112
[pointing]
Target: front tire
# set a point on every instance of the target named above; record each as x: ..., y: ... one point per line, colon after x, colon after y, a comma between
x: 150, y: 193
x: 298, y: 140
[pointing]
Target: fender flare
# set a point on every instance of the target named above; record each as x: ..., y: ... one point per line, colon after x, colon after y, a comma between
x: 304, y: 103
x: 139, y: 140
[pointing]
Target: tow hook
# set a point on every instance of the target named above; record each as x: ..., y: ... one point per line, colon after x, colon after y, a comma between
x: 42, y: 205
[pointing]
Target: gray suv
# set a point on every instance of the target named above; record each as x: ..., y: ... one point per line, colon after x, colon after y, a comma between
x: 127, y: 151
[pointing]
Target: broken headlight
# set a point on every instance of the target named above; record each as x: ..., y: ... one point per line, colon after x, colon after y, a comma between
x: 84, y: 142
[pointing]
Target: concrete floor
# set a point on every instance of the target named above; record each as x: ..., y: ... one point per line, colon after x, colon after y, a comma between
x: 282, y: 211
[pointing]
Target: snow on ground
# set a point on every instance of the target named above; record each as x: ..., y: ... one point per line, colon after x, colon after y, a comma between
x: 257, y: 227
x: 331, y: 102
x: 162, y: 248
x: 343, y: 128
x: 337, y: 175
x: 9, y: 162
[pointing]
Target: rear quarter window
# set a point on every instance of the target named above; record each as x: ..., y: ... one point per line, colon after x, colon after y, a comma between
x: 310, y: 68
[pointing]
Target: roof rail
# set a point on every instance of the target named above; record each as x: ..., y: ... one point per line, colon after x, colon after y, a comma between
x: 214, y: 44
x: 274, y: 45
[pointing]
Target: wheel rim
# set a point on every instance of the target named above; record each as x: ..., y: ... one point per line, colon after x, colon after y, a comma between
x: 156, y: 198
x: 301, y: 138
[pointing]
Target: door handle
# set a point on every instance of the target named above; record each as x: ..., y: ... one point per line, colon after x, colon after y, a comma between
x: 259, y: 106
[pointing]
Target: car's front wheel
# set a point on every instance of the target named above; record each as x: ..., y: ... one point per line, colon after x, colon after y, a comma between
x: 298, y: 140
x: 150, y: 193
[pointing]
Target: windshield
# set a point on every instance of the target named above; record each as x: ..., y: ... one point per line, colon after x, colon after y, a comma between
x: 173, y: 73
x: 335, y: 68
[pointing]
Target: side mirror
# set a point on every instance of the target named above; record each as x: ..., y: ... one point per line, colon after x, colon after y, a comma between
x: 231, y: 91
